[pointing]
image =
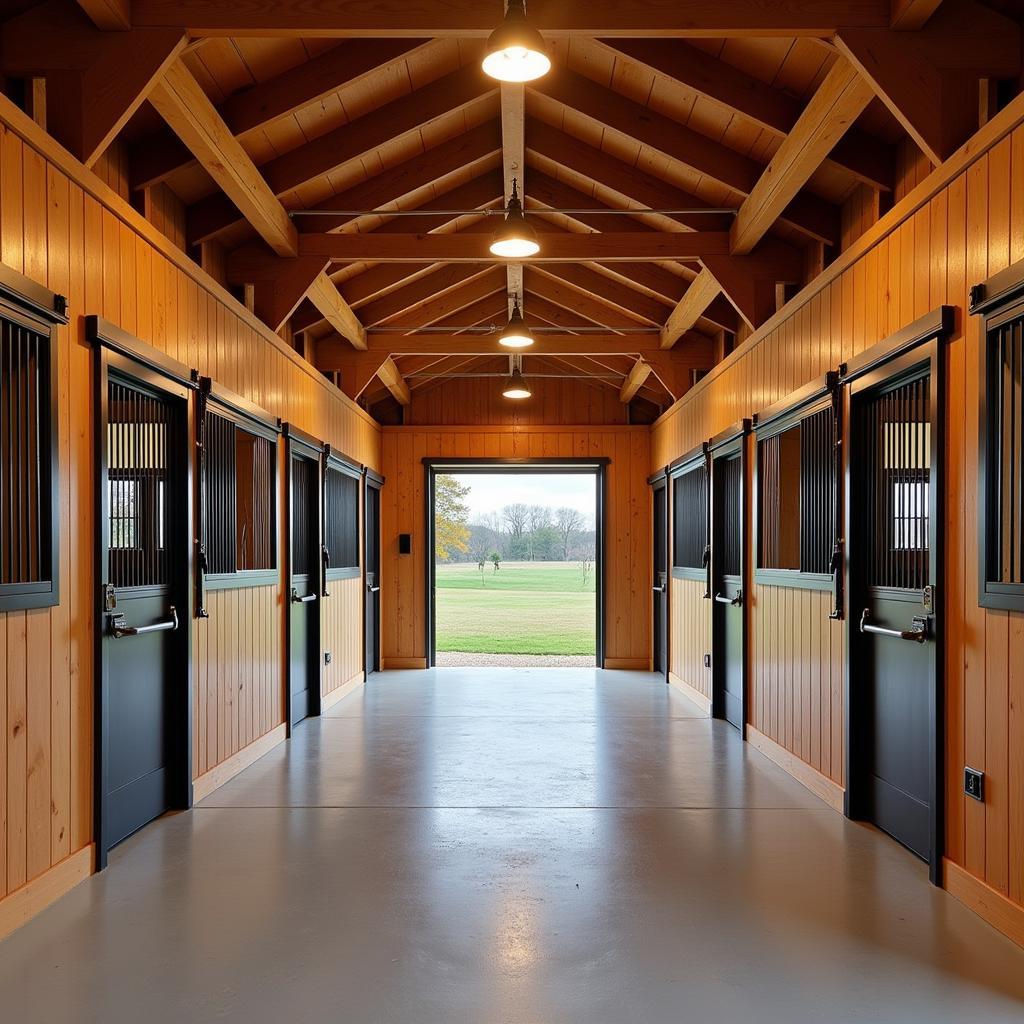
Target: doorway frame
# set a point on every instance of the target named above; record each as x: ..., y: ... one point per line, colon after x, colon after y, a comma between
x: 375, y: 481
x: 722, y: 446
x: 597, y: 467
x: 660, y: 482
x: 299, y: 443
x: 916, y: 344
x: 116, y: 349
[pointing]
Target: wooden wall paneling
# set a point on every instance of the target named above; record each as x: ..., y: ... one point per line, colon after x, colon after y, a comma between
x: 948, y: 231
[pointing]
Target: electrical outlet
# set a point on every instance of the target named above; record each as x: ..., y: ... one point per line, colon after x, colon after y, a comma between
x: 974, y: 784
x: 707, y: 661
x: 327, y: 657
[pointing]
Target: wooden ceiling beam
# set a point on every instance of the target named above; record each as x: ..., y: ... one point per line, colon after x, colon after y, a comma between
x: 424, y: 289
x: 701, y: 293
x: 928, y: 79
x: 911, y: 15
x: 108, y: 15
x: 190, y: 114
x: 634, y: 186
x: 157, y: 157
x: 394, y: 381
x: 188, y: 111
x: 513, y: 158
x: 575, y: 306
x: 687, y: 246
x: 354, y: 143
x: 869, y: 159
x: 606, y: 109
x: 608, y: 291
x: 635, y: 380
x: 835, y: 105
x: 453, y: 300
x: 546, y: 344
x: 95, y: 80
x: 458, y: 18
x: 467, y: 156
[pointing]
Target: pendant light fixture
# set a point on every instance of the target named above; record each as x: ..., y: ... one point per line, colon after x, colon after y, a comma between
x: 516, y: 334
x: 515, y: 239
x: 517, y: 386
x: 515, y: 49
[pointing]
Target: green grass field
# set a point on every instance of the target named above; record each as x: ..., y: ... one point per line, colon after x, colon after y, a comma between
x: 523, y: 608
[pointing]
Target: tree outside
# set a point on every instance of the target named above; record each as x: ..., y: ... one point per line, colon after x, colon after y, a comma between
x: 451, y: 517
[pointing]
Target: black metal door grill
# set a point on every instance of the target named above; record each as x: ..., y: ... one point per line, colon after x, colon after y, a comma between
x: 1005, y: 469
x: 24, y: 444
x: 690, y: 518
x: 341, y: 519
x: 897, y: 443
x: 239, y: 496
x: 304, y: 479
x: 729, y: 485
x: 818, y: 473
x: 138, y: 431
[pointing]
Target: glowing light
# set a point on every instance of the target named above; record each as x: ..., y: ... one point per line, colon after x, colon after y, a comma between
x: 515, y: 49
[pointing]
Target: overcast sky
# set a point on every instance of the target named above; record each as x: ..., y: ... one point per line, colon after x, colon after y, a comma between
x: 491, y: 492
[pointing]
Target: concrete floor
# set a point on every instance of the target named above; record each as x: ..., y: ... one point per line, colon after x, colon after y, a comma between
x: 509, y: 846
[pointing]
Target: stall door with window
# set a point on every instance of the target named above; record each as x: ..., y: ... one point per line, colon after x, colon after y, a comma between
x: 893, y: 519
x: 728, y: 655
x: 144, y: 703
x: 304, y: 583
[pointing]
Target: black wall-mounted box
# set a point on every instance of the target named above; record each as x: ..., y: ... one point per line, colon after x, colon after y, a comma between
x: 405, y: 543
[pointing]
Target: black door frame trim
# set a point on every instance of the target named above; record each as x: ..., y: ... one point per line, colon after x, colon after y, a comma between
x: 660, y: 481
x: 139, y: 362
x: 598, y: 466
x: 376, y: 482
x: 722, y: 446
x: 917, y: 344
x: 304, y: 445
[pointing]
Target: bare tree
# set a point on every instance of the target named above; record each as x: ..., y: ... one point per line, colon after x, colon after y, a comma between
x: 516, y: 518
x: 568, y: 522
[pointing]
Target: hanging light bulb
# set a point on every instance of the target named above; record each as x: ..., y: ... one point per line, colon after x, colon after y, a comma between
x: 517, y: 387
x: 515, y: 49
x: 515, y: 239
x: 516, y: 334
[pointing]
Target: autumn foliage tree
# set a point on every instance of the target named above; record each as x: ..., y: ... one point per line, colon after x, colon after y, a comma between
x: 451, y: 517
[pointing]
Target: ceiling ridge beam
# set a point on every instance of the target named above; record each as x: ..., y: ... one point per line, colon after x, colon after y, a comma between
x: 470, y: 18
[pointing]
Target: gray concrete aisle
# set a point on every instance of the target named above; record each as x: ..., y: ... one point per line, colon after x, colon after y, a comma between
x: 506, y: 846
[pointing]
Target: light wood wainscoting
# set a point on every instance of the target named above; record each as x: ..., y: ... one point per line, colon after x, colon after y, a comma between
x: 627, y: 525
x: 960, y: 224
x: 66, y: 229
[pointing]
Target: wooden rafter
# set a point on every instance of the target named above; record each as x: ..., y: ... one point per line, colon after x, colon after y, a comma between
x: 701, y: 293
x: 635, y: 380
x: 609, y: 110
x: 259, y: 107
x: 929, y: 79
x: 109, y: 15
x: 513, y: 157
x: 95, y: 80
x: 188, y: 111
x: 394, y: 381
x: 769, y: 108
x: 355, y: 142
x: 835, y: 105
x: 911, y: 15
x: 396, y: 18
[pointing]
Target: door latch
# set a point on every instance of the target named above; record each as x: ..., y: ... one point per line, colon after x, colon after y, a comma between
x: 109, y: 598
x: 928, y: 600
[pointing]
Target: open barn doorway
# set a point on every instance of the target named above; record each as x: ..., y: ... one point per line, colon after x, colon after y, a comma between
x: 515, y: 563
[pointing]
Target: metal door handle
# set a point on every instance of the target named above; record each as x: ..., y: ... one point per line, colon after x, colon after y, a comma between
x: 659, y: 590
x: 119, y: 629
x: 917, y: 634
x: 302, y: 600
x: 734, y: 601
x: 372, y: 590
